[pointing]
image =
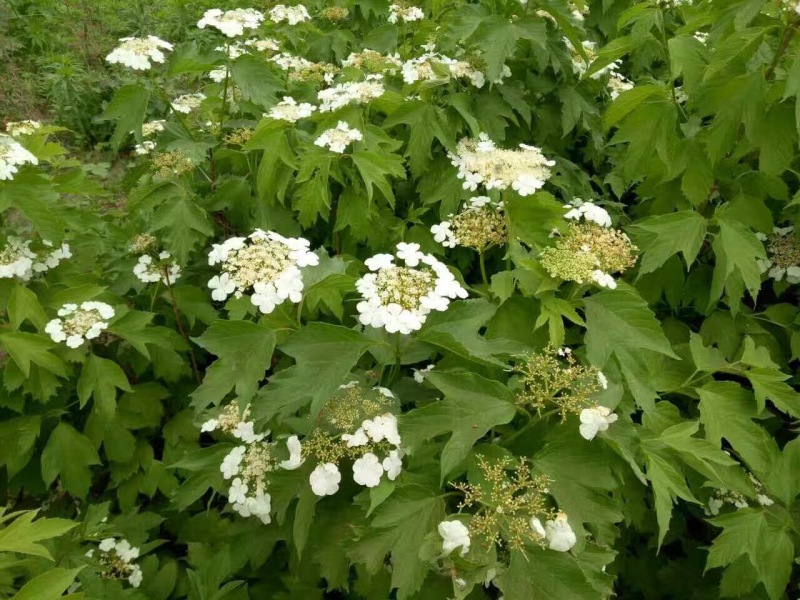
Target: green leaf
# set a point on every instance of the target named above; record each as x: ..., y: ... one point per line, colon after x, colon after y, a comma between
x: 17, y: 439
x: 663, y: 236
x: 68, y: 455
x: 669, y: 484
x: 26, y: 348
x: 244, y: 352
x: 629, y: 100
x: 128, y: 108
x: 532, y: 219
x: 472, y: 405
x: 23, y: 533
x: 497, y: 38
x: 375, y: 168
x: 100, y: 378
x: 24, y: 305
x: 256, y: 80
x: 545, y: 575
x: 737, y: 250
x: 183, y: 224
x: 48, y: 586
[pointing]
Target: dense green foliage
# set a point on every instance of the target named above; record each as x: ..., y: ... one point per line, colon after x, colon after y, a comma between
x: 598, y: 398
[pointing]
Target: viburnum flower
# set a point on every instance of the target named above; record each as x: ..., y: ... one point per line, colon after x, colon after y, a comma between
x: 290, y: 111
x: 334, y: 14
x: 12, y: 156
x: 481, y: 163
x: 617, y: 84
x: 367, y: 470
x: 393, y: 464
x: 325, y: 479
x: 405, y: 14
x: 560, y: 535
x: 218, y: 75
x: 231, y: 23
x: 290, y: 14
x: 116, y: 557
x: 399, y: 298
x: 594, y: 420
x: 338, y: 138
x: 295, y: 454
x: 480, y: 224
x: 588, y: 210
x: 188, y: 102
x: 76, y: 324
x: 163, y: 269
x: 266, y: 45
x: 352, y: 92
x: 266, y: 263
x: 454, y: 535
x: 152, y: 127
x: 26, y: 127
x: 232, y: 422
x: 382, y: 427
x: 580, y: 65
x: 18, y: 259
x: 783, y: 255
x: 371, y: 61
x: 537, y: 528
x: 137, y: 53
x: 230, y: 464
x: 248, y: 467
x: 145, y: 148
x: 420, y: 374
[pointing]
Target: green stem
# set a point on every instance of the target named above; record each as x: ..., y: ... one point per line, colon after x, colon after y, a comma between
x: 176, y: 311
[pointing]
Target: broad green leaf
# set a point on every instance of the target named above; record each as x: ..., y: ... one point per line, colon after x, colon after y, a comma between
x: 127, y: 108
x: 376, y: 168
x: 68, y: 456
x: 663, y: 236
x: 23, y: 533
x: 17, y: 439
x: 100, y: 378
x: 255, y: 80
x: 28, y: 348
x: 737, y: 251
x: 533, y: 218
x: 50, y: 585
x: 24, y: 305
x: 183, y: 225
x: 546, y: 575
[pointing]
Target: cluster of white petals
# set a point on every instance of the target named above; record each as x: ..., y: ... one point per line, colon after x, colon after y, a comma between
x: 579, y: 209
x: 479, y: 223
x: 290, y: 110
x: 145, y: 148
x: 26, y: 127
x: 76, y: 324
x: 432, y: 66
x: 266, y: 263
x: 454, y: 535
x: 137, y: 53
x: 372, y: 61
x: 617, y: 83
x: 352, y: 92
x: 247, y: 494
x: 188, y: 102
x: 399, y: 298
x: 17, y: 259
x: 153, y: 127
x: 118, y: 556
x: 420, y: 374
x: 481, y: 163
x: 336, y: 139
x: 13, y: 156
x: 161, y: 269
x: 263, y: 45
x: 289, y: 14
x: 219, y: 75
x: 368, y: 469
x: 595, y: 420
x: 295, y: 459
x: 558, y: 532
x: 405, y: 14
x: 231, y: 23
x: 325, y: 479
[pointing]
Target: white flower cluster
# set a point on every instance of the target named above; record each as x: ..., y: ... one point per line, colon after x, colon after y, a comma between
x: 420, y: 374
x: 481, y: 163
x: 594, y: 420
x: 454, y: 535
x: 218, y: 75
x: 247, y: 493
x: 783, y: 255
x: 433, y: 66
x: 163, y: 269
x: 290, y: 111
x: 145, y: 148
x: 290, y: 14
x: 405, y: 14
x: 231, y: 23
x: 588, y: 210
x: 26, y: 127
x: 137, y: 53
x: 480, y: 223
x: 153, y: 127
x: 265, y: 262
x: 264, y: 45
x: 338, y: 138
x: 557, y: 532
x: 352, y: 92
x: 372, y: 61
x: 188, y: 102
x: 617, y: 83
x: 17, y: 259
x: 792, y: 5
x: 399, y: 299
x: 13, y: 156
x: 117, y: 557
x: 723, y: 496
x: 76, y: 324
x: 238, y: 425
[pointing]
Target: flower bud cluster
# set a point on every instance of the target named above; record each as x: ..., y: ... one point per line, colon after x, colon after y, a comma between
x: 26, y: 127
x: 481, y: 163
x: 783, y: 255
x: 334, y: 14
x: 116, y: 558
x: 266, y: 263
x: 371, y: 61
x: 12, y: 156
x: 188, y: 102
x: 139, y: 53
x: 432, y: 66
x: 76, y: 324
x: 480, y: 224
x: 399, y: 298
x: 171, y: 164
x: 18, y: 259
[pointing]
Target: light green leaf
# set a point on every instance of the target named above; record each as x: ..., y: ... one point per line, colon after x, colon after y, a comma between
x: 68, y: 455
x: 100, y: 378
x: 127, y: 108
x: 23, y: 533
x: 50, y: 585
x: 663, y: 236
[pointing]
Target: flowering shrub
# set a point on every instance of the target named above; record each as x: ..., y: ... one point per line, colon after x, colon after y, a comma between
x: 436, y: 300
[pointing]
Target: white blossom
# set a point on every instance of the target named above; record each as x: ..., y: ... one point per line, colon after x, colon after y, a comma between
x: 352, y: 92
x: 210, y: 425
x: 148, y: 270
x: 594, y: 420
x: 325, y: 479
x: 18, y: 259
x: 359, y: 438
x: 393, y: 464
x: 230, y: 464
x: 245, y: 431
x: 295, y: 454
x: 137, y: 53
x: 219, y: 75
x: 13, y: 156
x: 589, y: 211
x: 560, y: 534
x: 537, y: 528
x: 290, y: 111
x: 602, y: 380
x: 338, y: 138
x: 383, y: 427
x: 420, y: 374
x: 188, y: 102
x: 231, y: 23
x: 454, y: 535
x: 238, y: 491
x: 145, y: 148
x: 77, y: 324
x: 290, y: 14
x: 367, y: 470
x: 25, y: 127
x: 604, y: 279
x: 405, y: 14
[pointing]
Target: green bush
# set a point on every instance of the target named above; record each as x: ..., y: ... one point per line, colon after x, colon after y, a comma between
x: 457, y: 300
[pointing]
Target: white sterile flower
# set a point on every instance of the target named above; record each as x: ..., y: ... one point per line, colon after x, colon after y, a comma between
x: 188, y: 102
x: 137, y: 53
x: 589, y: 211
x: 594, y: 420
x: 399, y: 298
x: 764, y: 500
x: 537, y: 528
x: 618, y: 83
x: 295, y: 454
x: 338, y: 138
x: 404, y: 14
x: 258, y: 505
x: 602, y: 380
x: 265, y: 45
x: 359, y: 438
x: 148, y: 270
x: 16, y: 259
x: 289, y: 110
x: 244, y: 431
x: 75, y: 324
x: 231, y: 22
x: 604, y: 279
x: 383, y: 427
x: 393, y: 464
x: 379, y: 261
x: 443, y: 234
x: 325, y: 479
x: 12, y: 156
x: 291, y: 14
x: 210, y: 425
x: 218, y: 75
x: 135, y: 578
x: 266, y: 263
x: 526, y: 184
x: 26, y: 127
x: 560, y: 534
x: 419, y: 374
x: 454, y: 535
x: 107, y: 545
x: 145, y: 148
x: 127, y: 552
x: 230, y: 464
x: 237, y: 492
x: 152, y: 127
x: 367, y: 470
x: 352, y: 92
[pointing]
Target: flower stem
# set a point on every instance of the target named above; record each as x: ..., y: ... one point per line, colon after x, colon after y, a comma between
x: 176, y: 311
x: 482, y: 262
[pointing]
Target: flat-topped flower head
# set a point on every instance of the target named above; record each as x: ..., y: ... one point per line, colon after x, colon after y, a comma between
x: 617, y: 84
x: 235, y: 423
x: 19, y: 128
x: 336, y: 139
x: 399, y: 298
x: 479, y: 224
x: 153, y: 127
x: 116, y: 558
x: 405, y: 13
x: 219, y: 75
x: 188, y: 102
x: 783, y: 255
x: 353, y: 92
x: 290, y: 110
x: 139, y: 53
x: 20, y: 258
x: 12, y: 156
x: 335, y: 14
x: 266, y: 264
x: 481, y: 163
x: 76, y: 324
x: 264, y: 46
x: 145, y: 148
x: 161, y: 268
x: 289, y: 14
x: 371, y: 61
x: 351, y: 405
x: 231, y: 23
